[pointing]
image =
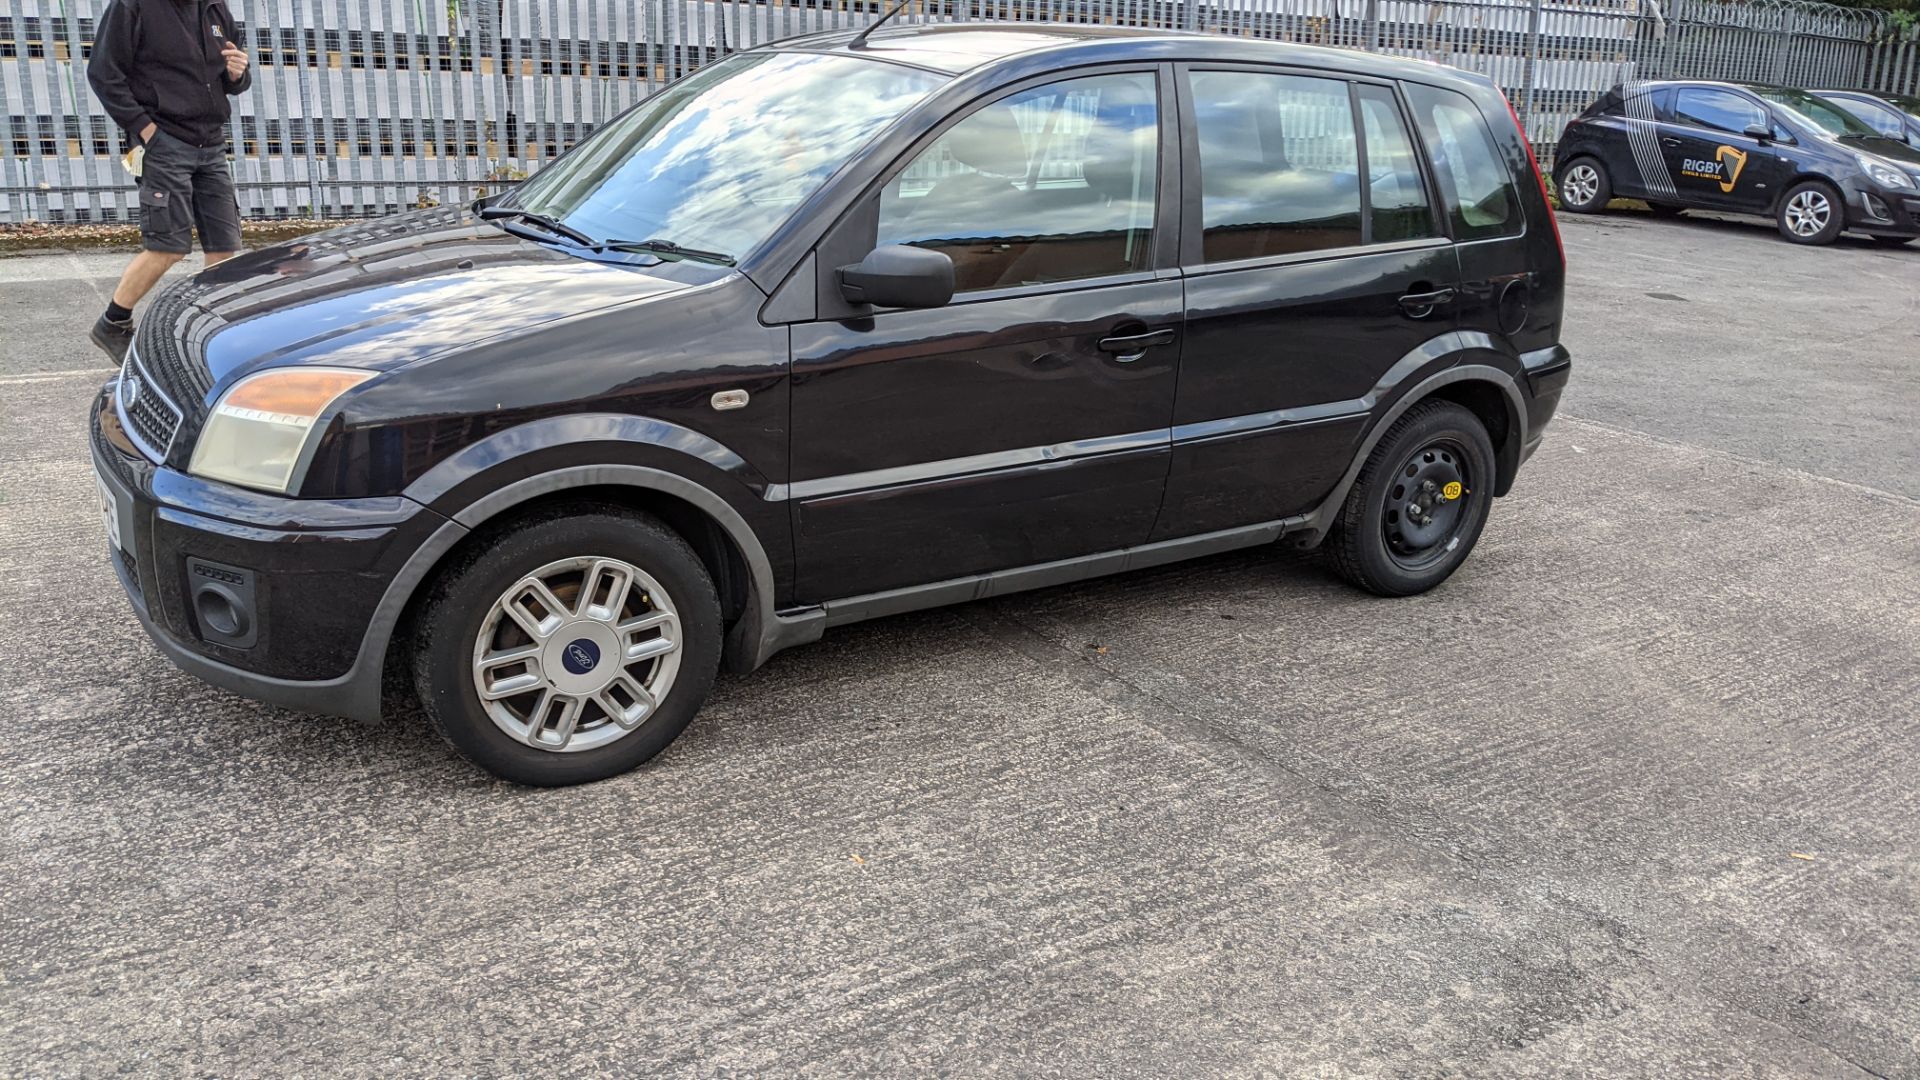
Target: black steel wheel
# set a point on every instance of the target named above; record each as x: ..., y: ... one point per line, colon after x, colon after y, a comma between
x: 1419, y: 504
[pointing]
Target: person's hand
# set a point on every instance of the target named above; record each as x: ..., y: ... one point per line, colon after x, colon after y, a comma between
x: 236, y: 60
x: 147, y: 133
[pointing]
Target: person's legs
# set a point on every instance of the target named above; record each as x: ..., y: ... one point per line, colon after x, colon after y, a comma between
x: 216, y: 207
x: 166, y: 235
x: 140, y: 275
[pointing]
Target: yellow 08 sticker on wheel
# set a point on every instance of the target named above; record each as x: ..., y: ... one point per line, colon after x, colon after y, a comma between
x: 1452, y: 490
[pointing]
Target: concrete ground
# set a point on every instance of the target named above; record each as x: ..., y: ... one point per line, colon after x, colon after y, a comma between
x: 1632, y: 794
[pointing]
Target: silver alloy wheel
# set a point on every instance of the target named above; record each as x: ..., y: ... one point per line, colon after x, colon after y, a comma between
x: 1580, y: 184
x: 577, y: 654
x: 1808, y: 212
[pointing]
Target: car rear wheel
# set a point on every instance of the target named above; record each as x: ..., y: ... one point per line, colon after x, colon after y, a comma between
x: 1419, y: 503
x: 1583, y: 186
x: 1811, y: 214
x: 571, y: 648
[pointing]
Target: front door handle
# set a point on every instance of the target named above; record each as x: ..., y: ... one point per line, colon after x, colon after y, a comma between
x: 1131, y: 347
x: 1421, y: 304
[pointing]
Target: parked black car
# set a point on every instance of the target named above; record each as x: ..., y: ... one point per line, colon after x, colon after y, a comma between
x: 834, y: 329
x: 1738, y: 147
x: 1896, y: 116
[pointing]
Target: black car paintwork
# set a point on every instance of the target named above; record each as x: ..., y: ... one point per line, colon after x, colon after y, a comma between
x: 927, y: 446
x: 1605, y: 132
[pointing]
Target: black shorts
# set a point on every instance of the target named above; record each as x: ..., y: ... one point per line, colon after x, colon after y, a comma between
x: 184, y: 187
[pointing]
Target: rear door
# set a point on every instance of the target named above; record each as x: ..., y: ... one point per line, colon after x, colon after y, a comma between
x: 1315, y: 261
x: 1027, y: 420
x: 1713, y: 162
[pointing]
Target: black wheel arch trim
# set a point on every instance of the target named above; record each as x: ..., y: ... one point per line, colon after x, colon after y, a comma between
x: 1468, y: 352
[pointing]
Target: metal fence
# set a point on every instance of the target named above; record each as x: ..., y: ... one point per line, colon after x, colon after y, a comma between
x: 363, y: 107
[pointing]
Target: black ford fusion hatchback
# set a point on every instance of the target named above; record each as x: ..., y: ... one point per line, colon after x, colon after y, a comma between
x: 1812, y: 166
x: 830, y: 330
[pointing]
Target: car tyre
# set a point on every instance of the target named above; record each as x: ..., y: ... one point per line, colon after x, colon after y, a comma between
x: 1582, y: 186
x: 483, y: 608
x: 1811, y: 213
x: 1380, y: 542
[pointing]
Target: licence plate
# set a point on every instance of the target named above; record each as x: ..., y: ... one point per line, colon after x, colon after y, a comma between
x: 109, y: 511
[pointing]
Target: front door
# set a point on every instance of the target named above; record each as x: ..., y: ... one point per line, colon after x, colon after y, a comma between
x: 1712, y: 161
x: 1316, y: 264
x: 1026, y: 421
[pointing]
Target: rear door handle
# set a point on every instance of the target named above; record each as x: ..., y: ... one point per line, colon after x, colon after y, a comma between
x: 1669, y: 141
x: 1131, y: 347
x: 1421, y: 304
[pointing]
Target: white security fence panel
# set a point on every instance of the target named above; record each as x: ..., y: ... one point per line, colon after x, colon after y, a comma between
x: 363, y: 107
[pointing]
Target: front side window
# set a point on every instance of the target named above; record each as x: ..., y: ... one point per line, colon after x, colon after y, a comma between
x: 1721, y: 110
x: 1475, y: 181
x: 1050, y: 184
x: 719, y: 159
x: 1279, y: 164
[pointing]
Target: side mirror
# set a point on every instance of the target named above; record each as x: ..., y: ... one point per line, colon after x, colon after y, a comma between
x: 895, y: 275
x: 1761, y: 132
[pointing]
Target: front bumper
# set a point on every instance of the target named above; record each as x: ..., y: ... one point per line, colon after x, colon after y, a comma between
x: 1883, y: 211
x: 315, y: 577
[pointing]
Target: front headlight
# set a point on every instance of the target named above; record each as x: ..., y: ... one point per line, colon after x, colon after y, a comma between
x: 1884, y: 174
x: 261, y: 424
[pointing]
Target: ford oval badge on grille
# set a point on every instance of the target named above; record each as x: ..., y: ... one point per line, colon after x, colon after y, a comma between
x: 129, y: 390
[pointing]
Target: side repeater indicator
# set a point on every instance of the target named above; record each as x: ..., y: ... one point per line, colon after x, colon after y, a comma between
x: 729, y: 399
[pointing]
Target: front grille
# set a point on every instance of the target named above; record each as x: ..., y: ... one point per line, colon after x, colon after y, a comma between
x: 150, y: 417
x: 132, y: 568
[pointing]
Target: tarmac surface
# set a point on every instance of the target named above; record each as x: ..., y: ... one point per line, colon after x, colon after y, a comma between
x: 1632, y: 794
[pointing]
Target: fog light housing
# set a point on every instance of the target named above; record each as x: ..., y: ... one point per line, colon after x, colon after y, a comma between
x: 1876, y: 208
x: 222, y: 601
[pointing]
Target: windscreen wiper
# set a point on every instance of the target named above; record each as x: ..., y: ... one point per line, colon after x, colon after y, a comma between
x: 539, y: 220
x: 668, y: 248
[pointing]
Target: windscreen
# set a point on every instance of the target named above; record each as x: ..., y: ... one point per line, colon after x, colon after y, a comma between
x: 1817, y: 112
x: 719, y: 159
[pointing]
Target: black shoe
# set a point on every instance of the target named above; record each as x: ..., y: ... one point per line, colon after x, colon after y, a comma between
x: 114, y: 338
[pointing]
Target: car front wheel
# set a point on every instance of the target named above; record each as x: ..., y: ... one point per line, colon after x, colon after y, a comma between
x: 1419, y: 503
x: 1811, y: 214
x: 570, y: 648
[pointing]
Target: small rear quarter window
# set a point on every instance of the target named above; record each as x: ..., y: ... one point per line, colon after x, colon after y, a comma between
x: 1475, y: 179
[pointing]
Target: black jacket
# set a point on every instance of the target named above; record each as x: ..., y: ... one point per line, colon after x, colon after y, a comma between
x: 159, y: 62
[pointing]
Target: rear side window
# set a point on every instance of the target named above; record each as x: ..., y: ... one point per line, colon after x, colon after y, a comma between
x: 1279, y: 164
x: 1049, y: 184
x: 1396, y: 197
x: 1475, y: 181
x: 1721, y: 110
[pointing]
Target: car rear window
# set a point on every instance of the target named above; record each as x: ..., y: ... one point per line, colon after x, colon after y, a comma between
x: 1475, y: 181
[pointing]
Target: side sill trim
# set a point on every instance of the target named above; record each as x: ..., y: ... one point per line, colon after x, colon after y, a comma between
x: 1042, y: 575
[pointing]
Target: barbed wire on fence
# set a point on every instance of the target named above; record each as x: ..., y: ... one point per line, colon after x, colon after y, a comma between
x: 363, y: 107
